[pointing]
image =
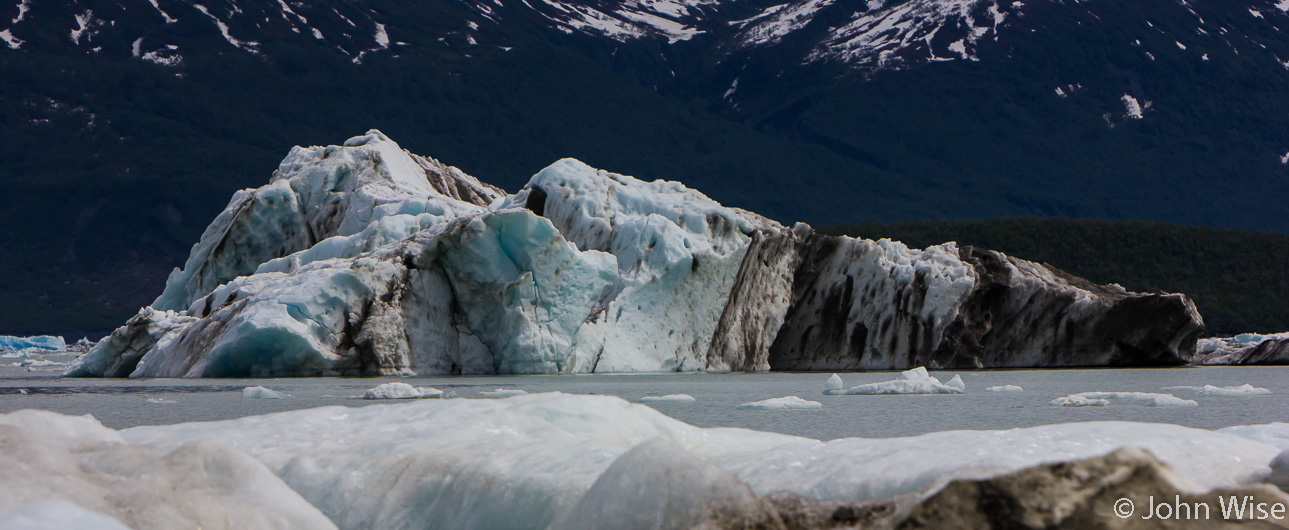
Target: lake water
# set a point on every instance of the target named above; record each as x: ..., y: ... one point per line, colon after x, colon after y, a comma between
x: 121, y: 403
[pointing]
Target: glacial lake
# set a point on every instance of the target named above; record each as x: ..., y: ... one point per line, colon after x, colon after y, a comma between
x: 121, y: 403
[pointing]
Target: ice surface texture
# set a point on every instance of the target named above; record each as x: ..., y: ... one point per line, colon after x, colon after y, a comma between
x: 363, y: 259
x: 527, y: 461
x: 1246, y: 348
x: 191, y: 484
x: 42, y: 342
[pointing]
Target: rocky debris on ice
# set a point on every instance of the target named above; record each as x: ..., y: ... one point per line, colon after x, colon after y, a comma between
x: 1101, y: 399
x: 1085, y: 493
x: 1005, y: 388
x: 259, y: 392
x: 915, y: 381
x: 669, y: 398
x: 1246, y: 348
x: 43, y: 343
x: 521, y: 463
x: 1223, y: 391
x: 193, y: 484
x: 782, y: 403
x: 56, y: 515
x: 364, y: 259
x: 398, y: 390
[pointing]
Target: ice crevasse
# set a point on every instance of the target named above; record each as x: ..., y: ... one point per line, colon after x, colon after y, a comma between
x: 363, y: 258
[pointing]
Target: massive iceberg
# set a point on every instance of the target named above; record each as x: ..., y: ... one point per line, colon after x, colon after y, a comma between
x: 1246, y: 348
x: 365, y: 259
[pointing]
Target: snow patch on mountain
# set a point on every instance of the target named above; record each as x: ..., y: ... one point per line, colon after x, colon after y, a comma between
x: 8, y: 38
x: 672, y: 19
x: 1132, y: 109
x: 164, y: 15
x: 890, y: 36
x: 87, y: 25
x: 25, y: 6
x: 247, y: 46
x: 778, y: 21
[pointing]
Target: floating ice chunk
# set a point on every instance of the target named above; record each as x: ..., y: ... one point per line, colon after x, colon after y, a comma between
x: 782, y: 403
x: 1005, y: 388
x: 957, y: 383
x: 259, y: 392
x: 1223, y: 391
x: 161, y: 401
x: 38, y: 363
x: 915, y: 381
x: 669, y: 398
x: 1079, y: 401
x: 834, y: 383
x: 1245, y: 338
x: 398, y: 390
x: 1135, y: 398
x: 57, y: 515
x: 503, y: 393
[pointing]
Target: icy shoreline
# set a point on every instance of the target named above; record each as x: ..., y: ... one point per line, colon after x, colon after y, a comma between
x: 452, y: 462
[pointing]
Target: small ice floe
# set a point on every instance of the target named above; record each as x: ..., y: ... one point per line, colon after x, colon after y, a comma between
x: 782, y: 403
x: 502, y: 393
x: 1085, y: 399
x: 1079, y: 401
x: 669, y: 398
x: 1005, y: 388
x: 259, y: 392
x: 834, y: 383
x: 401, y: 391
x: 164, y: 401
x: 1223, y: 391
x: 35, y: 363
x: 915, y: 381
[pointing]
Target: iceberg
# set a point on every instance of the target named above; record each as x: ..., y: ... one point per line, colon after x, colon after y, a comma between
x: 9, y: 344
x: 834, y: 382
x: 669, y: 398
x: 1243, y: 349
x: 502, y: 393
x: 782, y: 403
x: 1005, y: 388
x: 1223, y: 391
x: 1102, y: 399
x: 365, y: 259
x: 915, y: 381
x: 398, y: 390
x: 259, y: 392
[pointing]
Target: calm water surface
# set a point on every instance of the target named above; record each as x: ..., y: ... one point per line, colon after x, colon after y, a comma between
x: 121, y: 403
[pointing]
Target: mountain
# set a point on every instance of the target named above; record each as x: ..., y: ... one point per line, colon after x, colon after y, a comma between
x: 128, y: 122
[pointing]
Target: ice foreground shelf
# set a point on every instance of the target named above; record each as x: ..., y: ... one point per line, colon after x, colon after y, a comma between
x: 366, y: 259
x: 451, y: 463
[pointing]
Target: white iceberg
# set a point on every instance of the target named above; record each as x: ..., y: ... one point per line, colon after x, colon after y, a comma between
x: 669, y: 398
x: 259, y: 392
x: 397, y: 390
x: 957, y: 383
x: 915, y: 381
x: 1005, y: 388
x: 782, y: 403
x: 834, y: 382
x: 1223, y: 391
x: 503, y: 393
x: 1133, y: 398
